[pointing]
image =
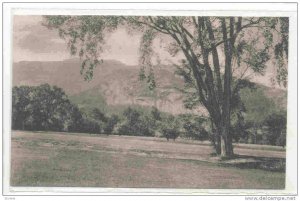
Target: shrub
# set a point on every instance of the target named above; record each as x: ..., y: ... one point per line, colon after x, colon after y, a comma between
x: 281, y: 141
x: 276, y: 128
x: 135, y: 123
x: 111, y: 123
x: 193, y: 127
x: 170, y: 128
x: 90, y: 126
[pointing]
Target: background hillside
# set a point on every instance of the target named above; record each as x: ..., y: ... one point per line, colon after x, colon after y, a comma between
x: 114, y: 84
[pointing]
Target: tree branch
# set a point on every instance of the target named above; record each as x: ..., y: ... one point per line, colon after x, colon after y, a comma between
x: 215, y: 59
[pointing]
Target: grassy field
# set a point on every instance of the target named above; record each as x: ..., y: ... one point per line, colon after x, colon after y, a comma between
x: 82, y: 160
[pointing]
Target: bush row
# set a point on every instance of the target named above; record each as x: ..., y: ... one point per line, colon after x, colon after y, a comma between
x: 47, y: 108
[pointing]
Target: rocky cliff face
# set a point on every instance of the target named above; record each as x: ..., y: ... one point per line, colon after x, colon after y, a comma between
x: 116, y: 82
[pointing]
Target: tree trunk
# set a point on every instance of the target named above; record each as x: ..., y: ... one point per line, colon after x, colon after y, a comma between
x: 226, y: 143
x: 218, y: 140
x: 230, y: 146
x: 218, y: 147
x: 227, y: 135
x: 224, y: 146
x: 255, y: 135
x: 215, y: 138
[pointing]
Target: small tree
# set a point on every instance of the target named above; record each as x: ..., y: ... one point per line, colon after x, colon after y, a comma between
x: 276, y: 129
x: 74, y: 122
x: 193, y: 127
x: 257, y: 108
x: 90, y: 126
x: 111, y: 123
x: 170, y: 128
x: 136, y: 123
x: 156, y: 114
x: 98, y: 115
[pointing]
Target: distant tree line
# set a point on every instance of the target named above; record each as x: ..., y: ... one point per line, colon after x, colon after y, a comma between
x: 48, y: 108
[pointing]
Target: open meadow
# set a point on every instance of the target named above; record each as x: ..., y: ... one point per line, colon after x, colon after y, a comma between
x: 84, y: 160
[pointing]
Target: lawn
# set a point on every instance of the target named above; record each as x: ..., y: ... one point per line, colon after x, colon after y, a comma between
x: 76, y: 160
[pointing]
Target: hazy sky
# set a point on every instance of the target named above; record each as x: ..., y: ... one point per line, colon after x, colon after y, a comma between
x: 34, y: 42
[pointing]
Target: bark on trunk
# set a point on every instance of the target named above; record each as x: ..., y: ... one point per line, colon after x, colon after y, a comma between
x: 218, y: 147
x: 226, y: 143
x: 224, y: 146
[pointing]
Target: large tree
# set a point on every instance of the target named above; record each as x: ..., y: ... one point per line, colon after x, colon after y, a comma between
x: 42, y: 107
x: 212, y: 48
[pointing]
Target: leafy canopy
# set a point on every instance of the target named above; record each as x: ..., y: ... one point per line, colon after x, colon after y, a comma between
x: 256, y: 40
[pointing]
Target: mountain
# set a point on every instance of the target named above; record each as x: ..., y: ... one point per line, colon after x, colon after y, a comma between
x: 118, y: 83
x: 114, y: 84
x: 65, y: 74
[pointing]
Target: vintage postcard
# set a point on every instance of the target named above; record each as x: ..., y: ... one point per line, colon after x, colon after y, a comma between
x: 190, y: 100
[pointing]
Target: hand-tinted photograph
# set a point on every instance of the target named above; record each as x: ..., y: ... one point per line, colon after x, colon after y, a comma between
x: 177, y: 102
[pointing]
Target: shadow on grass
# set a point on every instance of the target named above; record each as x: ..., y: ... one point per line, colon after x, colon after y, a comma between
x: 256, y: 162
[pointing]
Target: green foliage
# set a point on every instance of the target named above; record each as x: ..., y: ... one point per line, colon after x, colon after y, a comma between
x: 90, y: 99
x: 20, y: 103
x: 275, y: 126
x: 135, y: 124
x: 48, y: 108
x: 282, y: 51
x: 191, y: 99
x: 140, y: 121
x: 84, y: 36
x: 97, y: 115
x: 90, y: 126
x: 257, y: 59
x: 193, y: 127
x: 170, y: 127
x: 257, y: 105
x: 75, y: 121
x: 258, y: 119
x: 242, y: 41
x: 240, y: 128
x: 41, y: 108
x: 110, y: 124
x: 156, y: 114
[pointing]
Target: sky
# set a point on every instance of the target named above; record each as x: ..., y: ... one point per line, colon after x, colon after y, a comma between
x: 34, y: 42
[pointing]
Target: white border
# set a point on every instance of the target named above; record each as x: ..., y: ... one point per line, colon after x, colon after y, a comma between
x: 208, y: 9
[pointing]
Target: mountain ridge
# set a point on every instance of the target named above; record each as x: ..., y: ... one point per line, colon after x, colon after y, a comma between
x: 117, y: 82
